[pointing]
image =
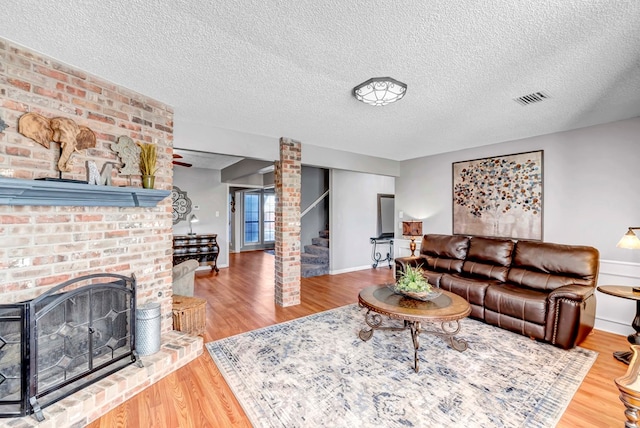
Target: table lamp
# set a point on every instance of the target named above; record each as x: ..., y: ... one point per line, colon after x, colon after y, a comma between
x: 412, y: 229
x: 630, y: 240
x: 192, y: 219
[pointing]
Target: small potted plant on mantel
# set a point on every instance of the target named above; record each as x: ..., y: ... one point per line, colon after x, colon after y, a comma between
x: 148, y: 167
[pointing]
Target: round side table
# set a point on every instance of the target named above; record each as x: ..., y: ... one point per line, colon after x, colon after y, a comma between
x: 631, y: 293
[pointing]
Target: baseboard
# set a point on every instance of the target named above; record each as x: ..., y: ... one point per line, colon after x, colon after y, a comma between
x: 353, y: 269
x: 612, y: 326
x: 205, y: 267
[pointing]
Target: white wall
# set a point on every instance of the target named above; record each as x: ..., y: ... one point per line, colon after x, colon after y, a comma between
x: 204, y: 188
x: 354, y: 217
x: 206, y: 138
x: 591, y: 195
x: 323, y: 157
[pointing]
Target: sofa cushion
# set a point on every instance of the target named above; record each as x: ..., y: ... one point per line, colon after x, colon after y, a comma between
x: 444, y: 253
x: 517, y: 302
x: 472, y: 290
x: 488, y: 258
x: 523, y: 327
x: 432, y: 277
x: 547, y: 266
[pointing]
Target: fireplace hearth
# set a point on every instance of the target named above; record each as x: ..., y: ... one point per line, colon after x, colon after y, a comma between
x: 64, y: 340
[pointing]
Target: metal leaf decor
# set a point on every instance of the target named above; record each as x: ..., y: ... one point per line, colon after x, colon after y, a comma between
x: 181, y: 204
x: 129, y: 154
x: 3, y: 125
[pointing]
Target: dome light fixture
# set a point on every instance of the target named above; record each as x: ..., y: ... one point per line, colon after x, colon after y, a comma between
x: 380, y: 91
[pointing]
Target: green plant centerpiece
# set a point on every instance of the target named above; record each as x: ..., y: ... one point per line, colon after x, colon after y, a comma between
x: 148, y: 159
x: 412, y: 283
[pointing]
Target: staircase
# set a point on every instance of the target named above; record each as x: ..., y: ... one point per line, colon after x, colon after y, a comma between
x: 315, y: 259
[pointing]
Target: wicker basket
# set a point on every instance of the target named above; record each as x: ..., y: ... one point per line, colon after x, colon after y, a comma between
x: 189, y: 314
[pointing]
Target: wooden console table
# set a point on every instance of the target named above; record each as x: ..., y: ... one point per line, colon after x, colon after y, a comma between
x: 203, y: 248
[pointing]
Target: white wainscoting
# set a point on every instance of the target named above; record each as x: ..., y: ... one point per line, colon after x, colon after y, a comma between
x: 401, y: 247
x: 615, y: 314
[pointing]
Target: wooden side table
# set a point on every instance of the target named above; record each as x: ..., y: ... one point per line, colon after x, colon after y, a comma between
x: 631, y: 293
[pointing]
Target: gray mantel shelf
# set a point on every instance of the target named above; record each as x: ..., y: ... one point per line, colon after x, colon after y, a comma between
x: 16, y: 191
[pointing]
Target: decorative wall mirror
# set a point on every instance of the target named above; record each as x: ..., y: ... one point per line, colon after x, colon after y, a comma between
x: 386, y: 209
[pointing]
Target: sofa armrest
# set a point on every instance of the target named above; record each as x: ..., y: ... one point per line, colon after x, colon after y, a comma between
x: 183, y: 277
x: 579, y: 293
x: 571, y: 315
x: 403, y: 262
x: 420, y: 261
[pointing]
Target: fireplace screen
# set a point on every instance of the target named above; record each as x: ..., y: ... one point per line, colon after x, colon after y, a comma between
x: 75, y: 334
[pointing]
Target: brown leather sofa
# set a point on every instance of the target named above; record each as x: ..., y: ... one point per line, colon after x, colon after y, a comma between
x: 541, y: 290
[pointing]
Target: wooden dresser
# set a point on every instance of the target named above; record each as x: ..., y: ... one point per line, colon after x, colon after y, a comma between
x: 203, y: 248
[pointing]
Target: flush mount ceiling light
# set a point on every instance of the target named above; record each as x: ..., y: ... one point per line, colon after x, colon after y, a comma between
x: 380, y: 91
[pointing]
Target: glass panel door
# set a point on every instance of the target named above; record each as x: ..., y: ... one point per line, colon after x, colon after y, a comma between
x: 269, y: 223
x: 251, y: 218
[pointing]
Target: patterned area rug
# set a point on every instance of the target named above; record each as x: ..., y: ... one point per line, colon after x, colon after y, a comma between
x: 315, y: 371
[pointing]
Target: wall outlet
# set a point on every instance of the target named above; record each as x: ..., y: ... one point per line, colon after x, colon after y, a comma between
x: 196, y: 207
x: 217, y: 213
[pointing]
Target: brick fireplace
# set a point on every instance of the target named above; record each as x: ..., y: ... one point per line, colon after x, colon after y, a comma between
x: 43, y: 246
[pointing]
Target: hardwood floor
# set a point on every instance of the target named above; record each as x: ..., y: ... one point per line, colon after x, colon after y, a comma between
x: 240, y: 299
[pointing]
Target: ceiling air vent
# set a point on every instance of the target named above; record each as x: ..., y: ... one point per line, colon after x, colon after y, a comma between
x: 535, y: 97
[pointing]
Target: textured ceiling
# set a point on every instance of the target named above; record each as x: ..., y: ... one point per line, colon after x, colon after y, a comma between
x: 287, y: 68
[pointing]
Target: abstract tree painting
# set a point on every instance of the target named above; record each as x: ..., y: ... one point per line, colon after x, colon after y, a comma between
x: 499, y: 196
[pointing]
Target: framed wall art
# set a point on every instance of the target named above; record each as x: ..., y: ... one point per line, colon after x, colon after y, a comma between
x: 499, y: 196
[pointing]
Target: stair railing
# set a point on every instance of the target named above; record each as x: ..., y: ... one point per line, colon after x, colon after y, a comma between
x: 315, y: 203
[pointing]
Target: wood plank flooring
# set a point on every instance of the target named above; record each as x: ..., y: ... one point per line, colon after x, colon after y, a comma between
x: 240, y: 299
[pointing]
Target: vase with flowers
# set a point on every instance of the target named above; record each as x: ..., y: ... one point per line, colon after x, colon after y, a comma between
x: 412, y: 283
x: 148, y: 158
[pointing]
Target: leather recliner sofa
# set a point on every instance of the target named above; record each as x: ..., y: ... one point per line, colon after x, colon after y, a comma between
x: 541, y: 290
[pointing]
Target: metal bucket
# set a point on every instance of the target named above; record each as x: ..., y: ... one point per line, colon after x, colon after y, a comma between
x: 148, y: 329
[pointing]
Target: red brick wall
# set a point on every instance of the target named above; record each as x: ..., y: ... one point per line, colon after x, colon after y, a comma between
x: 287, y: 252
x: 42, y: 245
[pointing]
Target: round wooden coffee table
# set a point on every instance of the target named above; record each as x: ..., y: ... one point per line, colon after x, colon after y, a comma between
x: 447, y: 310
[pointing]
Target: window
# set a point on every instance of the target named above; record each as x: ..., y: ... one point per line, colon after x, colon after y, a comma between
x: 251, y: 218
x: 259, y: 217
x: 269, y: 217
